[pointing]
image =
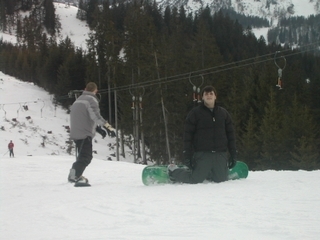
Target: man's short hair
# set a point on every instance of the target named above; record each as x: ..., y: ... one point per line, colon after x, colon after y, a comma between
x: 91, y: 87
x: 208, y: 89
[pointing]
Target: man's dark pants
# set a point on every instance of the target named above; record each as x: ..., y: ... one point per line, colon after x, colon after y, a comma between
x: 84, y: 155
x: 212, y: 166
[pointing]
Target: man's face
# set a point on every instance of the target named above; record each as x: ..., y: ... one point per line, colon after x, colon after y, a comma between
x: 209, y: 97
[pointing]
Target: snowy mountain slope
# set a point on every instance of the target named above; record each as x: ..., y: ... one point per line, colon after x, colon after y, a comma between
x: 270, y: 9
x: 72, y: 27
x: 42, y: 128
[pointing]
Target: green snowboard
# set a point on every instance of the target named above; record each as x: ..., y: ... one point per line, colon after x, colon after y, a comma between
x: 157, y: 174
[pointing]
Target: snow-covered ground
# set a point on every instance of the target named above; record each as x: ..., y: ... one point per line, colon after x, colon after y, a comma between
x: 37, y: 203
x: 303, y: 8
x: 258, y: 32
x: 71, y: 26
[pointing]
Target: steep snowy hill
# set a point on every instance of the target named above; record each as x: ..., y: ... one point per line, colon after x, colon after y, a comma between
x: 37, y: 126
x: 272, y: 10
x: 269, y: 9
x: 72, y: 27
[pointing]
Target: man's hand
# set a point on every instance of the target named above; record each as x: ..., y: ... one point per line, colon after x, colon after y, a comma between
x: 232, y: 160
x: 101, y: 131
x: 111, y: 131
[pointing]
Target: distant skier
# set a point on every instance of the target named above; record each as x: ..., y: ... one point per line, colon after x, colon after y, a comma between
x: 84, y: 119
x: 10, y: 147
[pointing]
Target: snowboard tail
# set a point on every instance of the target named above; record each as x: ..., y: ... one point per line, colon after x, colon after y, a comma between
x: 158, y: 174
x: 240, y: 170
x: 82, y: 185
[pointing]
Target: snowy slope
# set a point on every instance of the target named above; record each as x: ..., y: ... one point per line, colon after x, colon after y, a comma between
x: 43, y: 122
x: 261, y: 8
x: 72, y: 27
x: 37, y: 203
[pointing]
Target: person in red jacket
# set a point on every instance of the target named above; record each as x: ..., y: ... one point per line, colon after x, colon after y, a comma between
x: 10, y: 147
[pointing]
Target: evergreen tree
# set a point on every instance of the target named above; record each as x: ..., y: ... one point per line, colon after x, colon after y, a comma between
x: 64, y: 82
x: 82, y: 9
x: 3, y: 16
x: 26, y: 5
x: 105, y: 44
x: 238, y: 97
x: 302, y: 136
x: 249, y: 144
x: 92, y: 10
x: 305, y: 156
x: 10, y: 5
x: 271, y: 135
x: 49, y: 17
x: 206, y: 52
x: 140, y: 45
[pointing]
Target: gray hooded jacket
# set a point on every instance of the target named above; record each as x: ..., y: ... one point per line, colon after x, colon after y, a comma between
x: 85, y: 116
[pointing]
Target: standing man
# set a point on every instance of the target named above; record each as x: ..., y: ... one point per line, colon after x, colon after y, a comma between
x: 84, y: 119
x: 10, y: 147
x: 208, y: 135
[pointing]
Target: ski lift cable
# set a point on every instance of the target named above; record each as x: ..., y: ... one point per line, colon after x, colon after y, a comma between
x: 221, y: 68
x: 207, y: 71
x: 275, y: 62
x: 185, y: 75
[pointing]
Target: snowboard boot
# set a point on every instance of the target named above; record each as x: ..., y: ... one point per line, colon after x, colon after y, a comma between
x: 170, y: 169
x: 72, y: 176
x: 82, y: 182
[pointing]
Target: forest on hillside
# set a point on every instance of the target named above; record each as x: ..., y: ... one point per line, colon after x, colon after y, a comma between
x: 295, y: 31
x: 151, y: 63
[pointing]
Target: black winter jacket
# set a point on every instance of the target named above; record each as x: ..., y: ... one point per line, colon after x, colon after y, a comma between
x: 207, y: 130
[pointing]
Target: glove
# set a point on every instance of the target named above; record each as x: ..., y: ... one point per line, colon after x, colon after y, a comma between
x: 110, y: 130
x: 232, y: 160
x: 101, y: 131
x: 187, y: 159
